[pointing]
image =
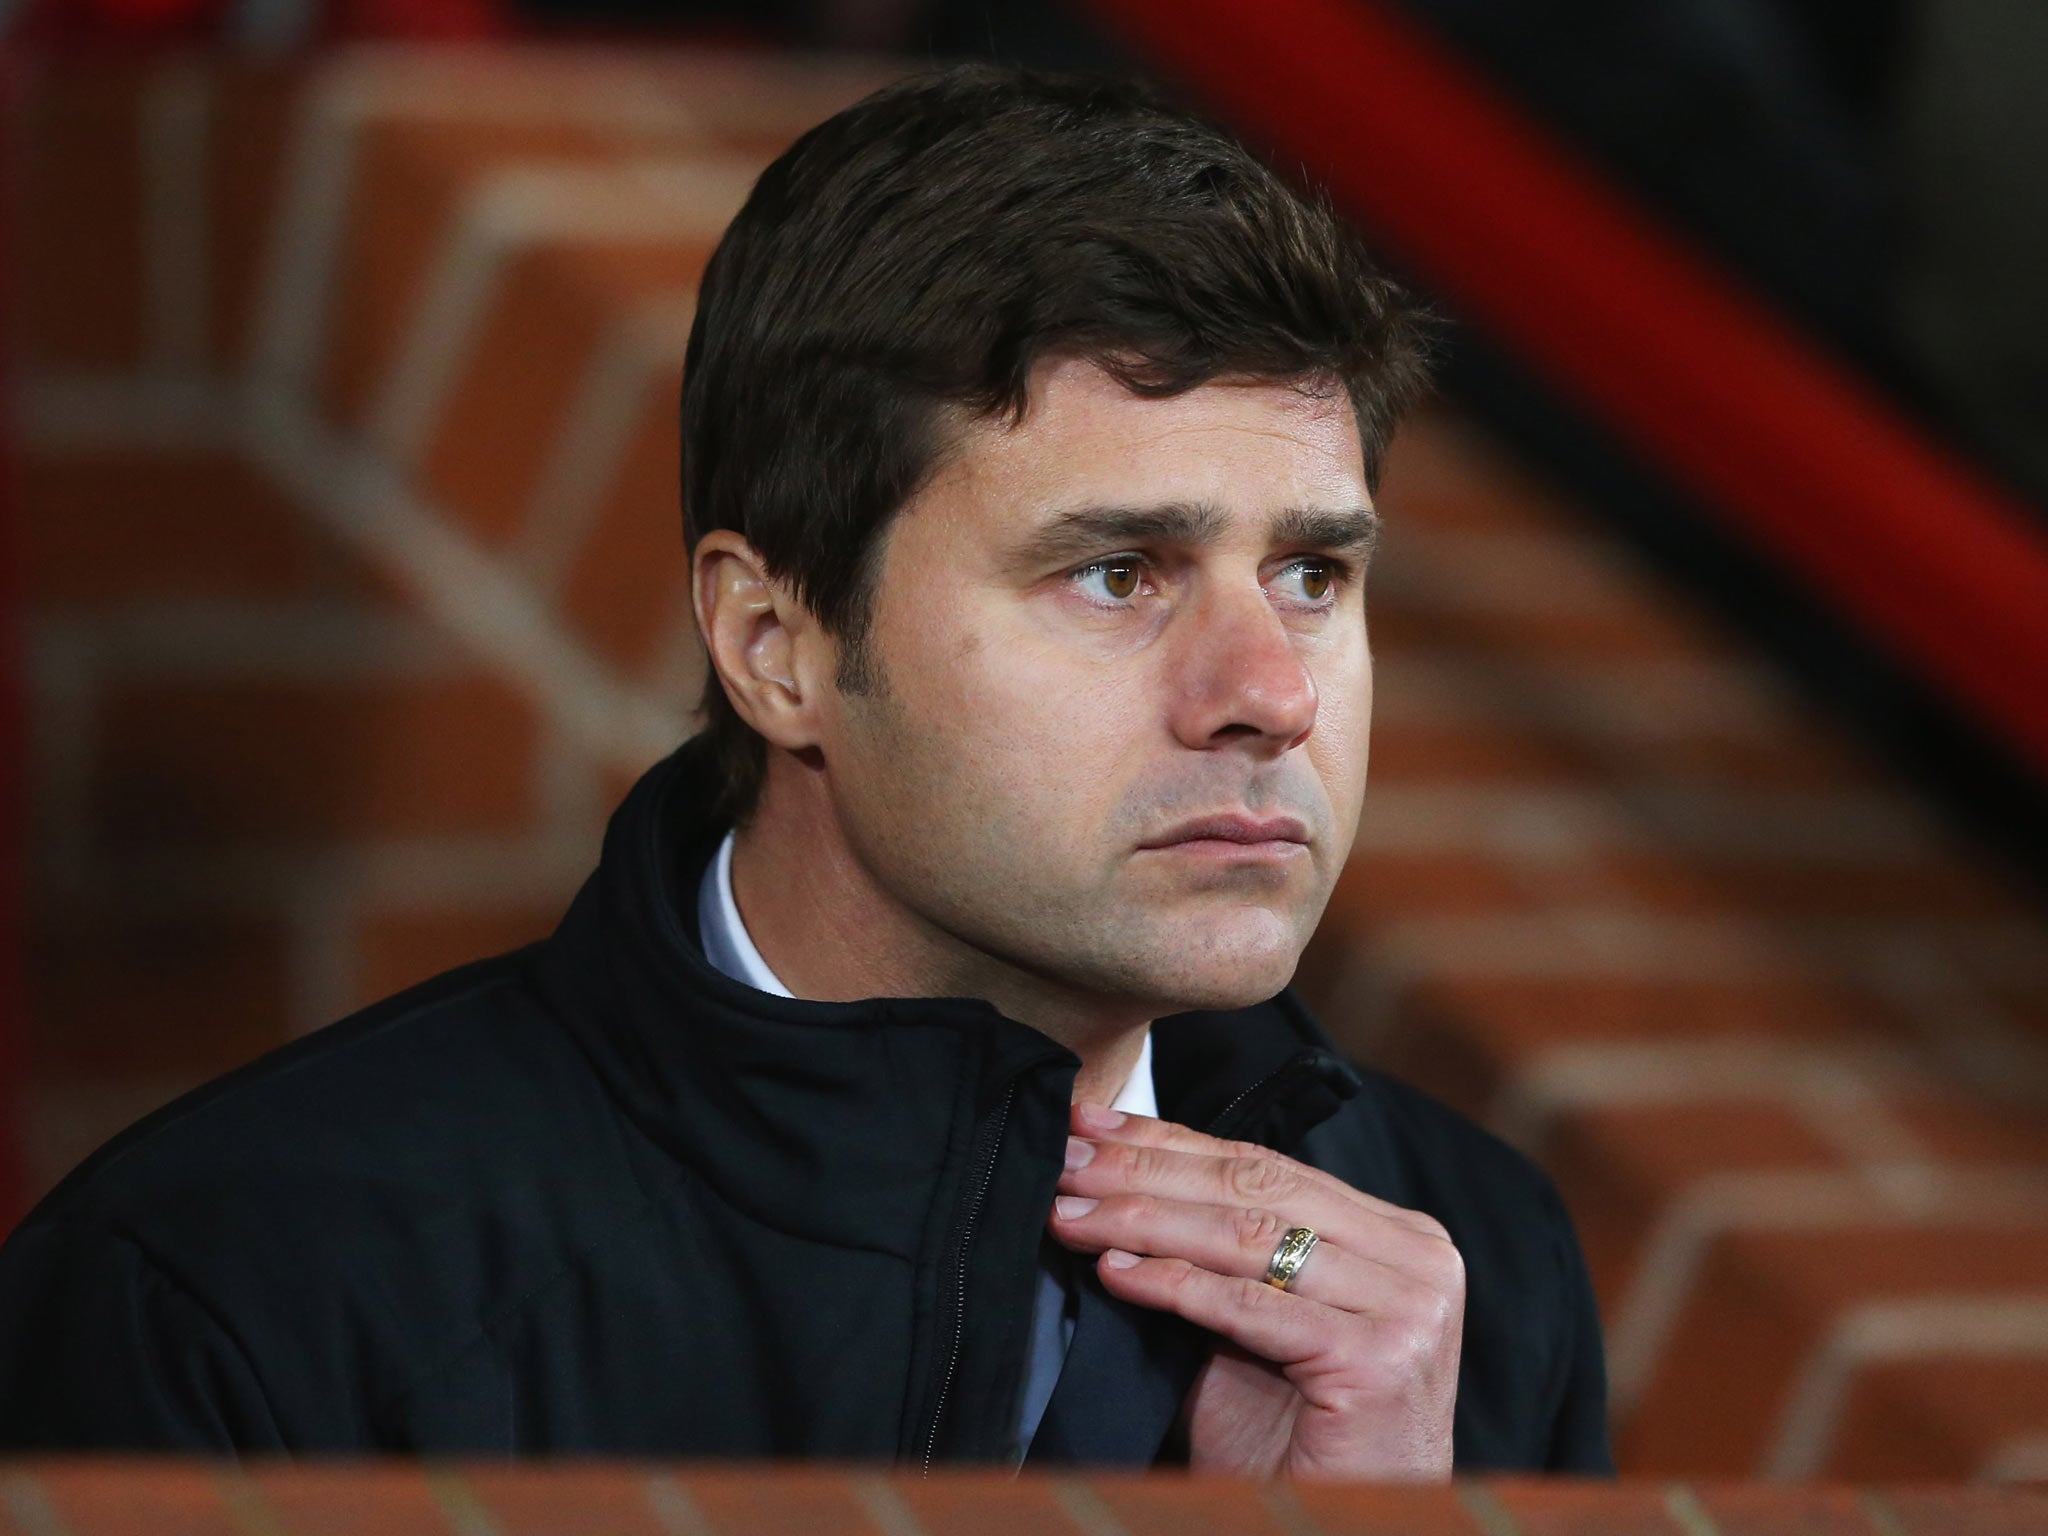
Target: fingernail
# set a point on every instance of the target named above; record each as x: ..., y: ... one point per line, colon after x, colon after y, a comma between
x: 1079, y: 1153
x: 1070, y: 1206
x: 1116, y: 1258
x: 1098, y: 1117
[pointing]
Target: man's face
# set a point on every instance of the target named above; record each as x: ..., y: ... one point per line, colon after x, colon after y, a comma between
x: 1120, y: 742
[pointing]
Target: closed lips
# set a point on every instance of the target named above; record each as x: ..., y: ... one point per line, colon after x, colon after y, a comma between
x: 1234, y: 829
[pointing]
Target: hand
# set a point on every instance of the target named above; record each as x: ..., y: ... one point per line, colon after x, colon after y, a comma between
x: 1352, y: 1372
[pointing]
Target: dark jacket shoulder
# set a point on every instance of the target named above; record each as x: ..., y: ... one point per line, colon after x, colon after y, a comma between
x: 350, y: 1208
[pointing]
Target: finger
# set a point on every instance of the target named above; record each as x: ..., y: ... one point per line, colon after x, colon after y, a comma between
x: 1227, y: 1241
x: 1097, y: 1123
x: 1100, y: 1169
x: 1274, y: 1325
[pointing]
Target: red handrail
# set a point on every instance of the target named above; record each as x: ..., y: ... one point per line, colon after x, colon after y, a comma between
x: 1915, y: 546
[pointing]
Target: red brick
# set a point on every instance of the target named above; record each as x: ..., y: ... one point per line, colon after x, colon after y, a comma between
x: 1763, y: 1301
x: 187, y: 764
x: 250, y: 132
x: 629, y: 586
x: 1179, y: 1506
x: 1967, y: 1511
x: 959, y: 1504
x: 1677, y: 881
x: 1382, y: 885
x: 79, y: 228
x: 1620, y: 1168
x: 1618, y: 626
x: 554, y: 306
x: 1773, y: 1510
x: 312, y: 1498
x: 1564, y: 1508
x: 550, y: 1499
x: 1388, y: 1509
x: 1793, y: 756
x: 1479, y: 751
x: 1502, y: 749
x: 396, y: 949
x: 1936, y: 1420
x: 1407, y: 505
x: 814, y: 1500
x: 1527, y: 1013
x: 1505, y: 750
x: 1956, y: 1127
x: 410, y: 179
x: 121, y: 527
x: 317, y: 1498
x: 118, y: 994
x: 1463, y: 1037
x: 93, y: 1499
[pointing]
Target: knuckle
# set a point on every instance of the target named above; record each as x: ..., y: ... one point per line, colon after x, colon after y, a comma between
x: 1142, y: 1164
x: 1454, y: 1269
x: 1258, y: 1230
x: 1176, y: 1274
x: 1260, y: 1180
x: 1252, y: 1295
x: 1138, y: 1210
x: 1447, y: 1266
x: 1432, y: 1228
x: 1424, y: 1315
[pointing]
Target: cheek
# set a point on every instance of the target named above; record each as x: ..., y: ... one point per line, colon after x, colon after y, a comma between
x: 1018, y: 690
x: 1340, y: 743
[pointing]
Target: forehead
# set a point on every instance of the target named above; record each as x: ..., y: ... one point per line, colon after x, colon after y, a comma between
x: 1249, y: 448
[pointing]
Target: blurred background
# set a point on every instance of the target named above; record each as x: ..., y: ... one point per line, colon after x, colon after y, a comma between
x: 1706, y: 855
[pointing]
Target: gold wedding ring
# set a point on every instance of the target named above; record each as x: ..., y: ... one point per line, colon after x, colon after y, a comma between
x: 1288, y: 1258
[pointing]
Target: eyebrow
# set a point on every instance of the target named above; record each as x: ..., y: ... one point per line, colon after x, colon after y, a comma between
x: 1087, y: 530
x: 1332, y: 530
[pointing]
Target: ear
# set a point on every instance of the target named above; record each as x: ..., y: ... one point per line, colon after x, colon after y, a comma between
x: 762, y: 641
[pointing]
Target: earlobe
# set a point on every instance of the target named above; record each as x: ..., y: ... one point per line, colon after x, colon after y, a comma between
x: 750, y: 624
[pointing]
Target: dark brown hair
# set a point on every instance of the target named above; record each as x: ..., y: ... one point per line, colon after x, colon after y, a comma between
x: 912, y: 257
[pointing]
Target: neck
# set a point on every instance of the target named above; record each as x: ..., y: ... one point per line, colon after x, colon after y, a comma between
x: 832, y: 933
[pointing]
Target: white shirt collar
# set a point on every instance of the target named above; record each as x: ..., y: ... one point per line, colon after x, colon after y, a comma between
x: 729, y: 947
x: 727, y: 944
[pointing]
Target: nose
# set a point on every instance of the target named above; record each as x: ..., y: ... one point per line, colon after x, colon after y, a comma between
x: 1242, y: 680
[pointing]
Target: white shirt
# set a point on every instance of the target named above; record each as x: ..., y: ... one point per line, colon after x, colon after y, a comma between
x: 729, y: 946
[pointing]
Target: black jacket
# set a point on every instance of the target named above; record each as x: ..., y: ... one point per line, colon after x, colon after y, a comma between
x: 596, y: 1196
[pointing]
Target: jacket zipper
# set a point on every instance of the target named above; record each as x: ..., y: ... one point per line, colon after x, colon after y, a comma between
x: 982, y: 1172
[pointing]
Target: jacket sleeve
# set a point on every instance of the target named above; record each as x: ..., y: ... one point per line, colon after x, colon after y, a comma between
x: 101, y: 1349
x: 1578, y: 1427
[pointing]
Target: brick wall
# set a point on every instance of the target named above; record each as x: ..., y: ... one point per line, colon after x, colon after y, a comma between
x: 355, y: 598
x: 340, y: 1499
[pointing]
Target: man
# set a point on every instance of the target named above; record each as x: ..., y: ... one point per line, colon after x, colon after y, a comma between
x: 915, y: 1077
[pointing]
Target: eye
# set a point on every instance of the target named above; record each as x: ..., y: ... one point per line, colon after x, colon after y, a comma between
x: 1311, y: 580
x: 1112, y: 581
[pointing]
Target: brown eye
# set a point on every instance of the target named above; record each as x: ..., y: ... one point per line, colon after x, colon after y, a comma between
x: 1310, y: 582
x: 1120, y: 581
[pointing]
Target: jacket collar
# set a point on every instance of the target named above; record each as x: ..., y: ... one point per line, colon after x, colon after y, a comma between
x: 838, y: 1120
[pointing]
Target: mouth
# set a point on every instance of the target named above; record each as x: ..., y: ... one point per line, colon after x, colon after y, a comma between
x: 1234, y: 837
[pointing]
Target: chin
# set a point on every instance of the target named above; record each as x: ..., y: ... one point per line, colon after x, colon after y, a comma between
x: 1221, y: 971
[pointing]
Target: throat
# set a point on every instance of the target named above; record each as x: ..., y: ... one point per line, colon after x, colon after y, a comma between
x: 1119, y: 1073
